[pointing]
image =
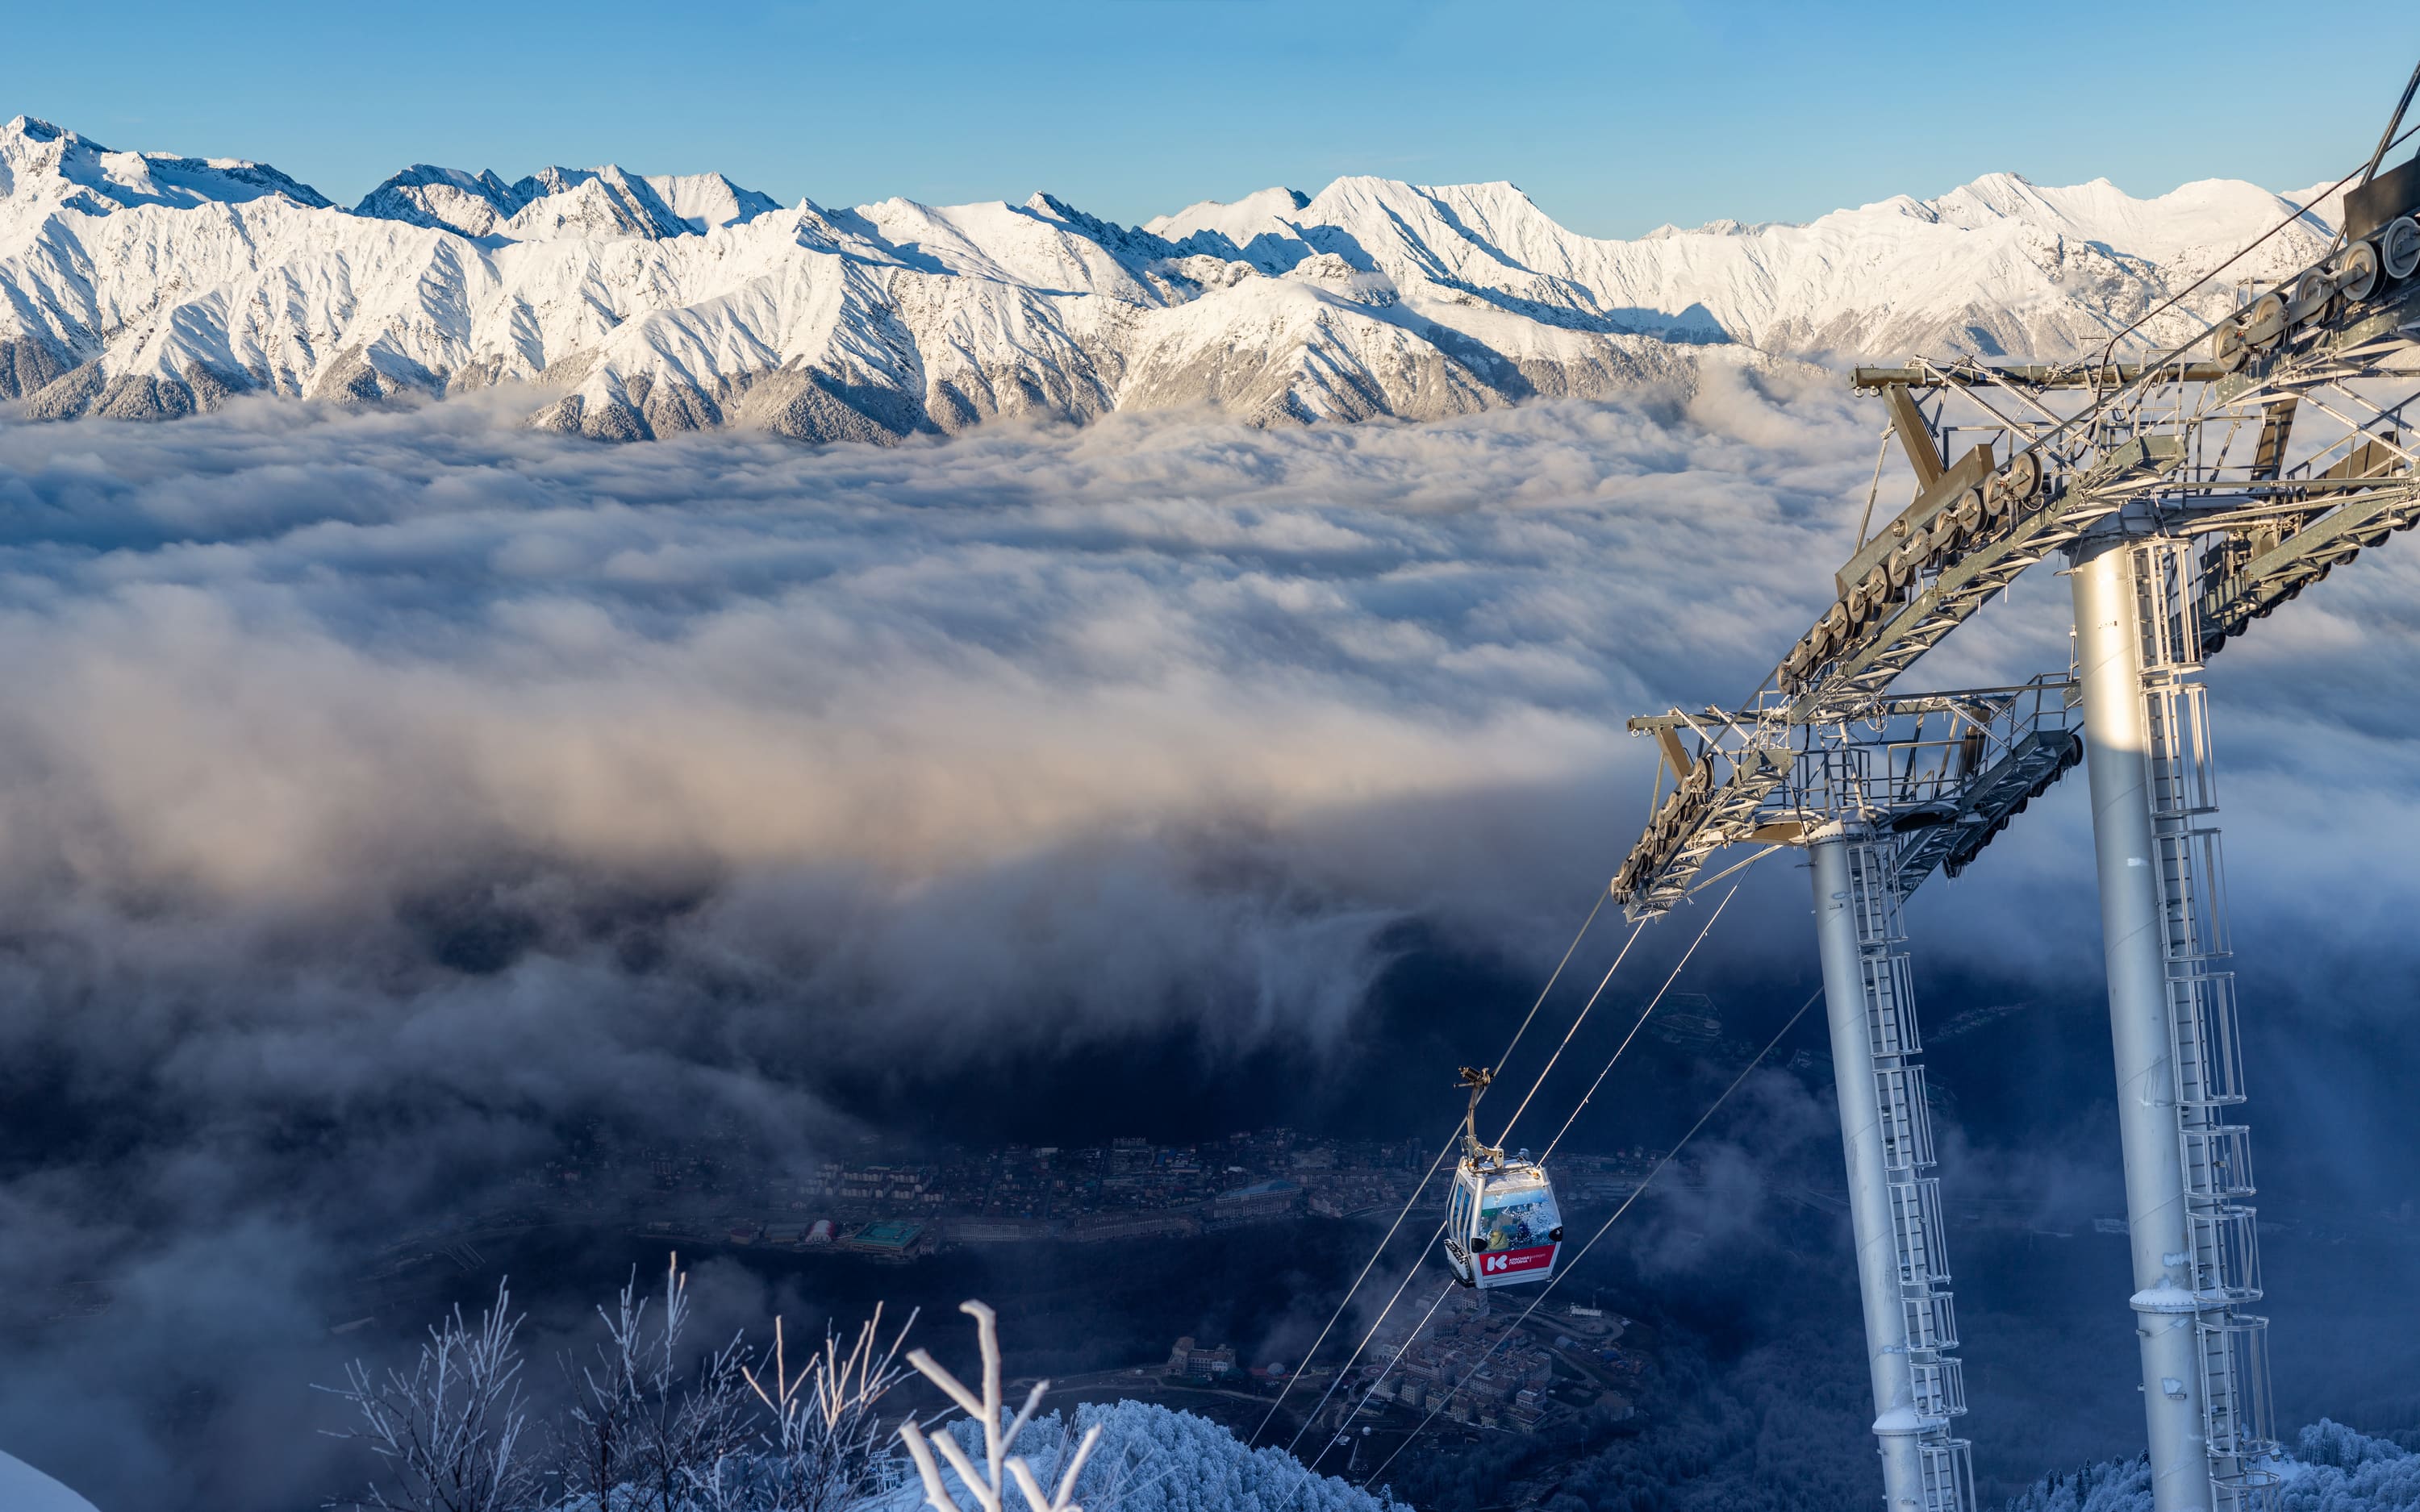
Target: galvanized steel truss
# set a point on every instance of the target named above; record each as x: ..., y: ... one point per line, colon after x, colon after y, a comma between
x: 2185, y: 449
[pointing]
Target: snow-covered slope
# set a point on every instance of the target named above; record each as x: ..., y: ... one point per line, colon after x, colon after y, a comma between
x: 144, y: 286
x: 1152, y: 1459
x: 43, y: 169
x: 23, y: 1489
x: 702, y: 201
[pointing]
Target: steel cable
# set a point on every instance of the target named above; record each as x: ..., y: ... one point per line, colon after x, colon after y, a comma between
x: 1573, y: 1031
x: 1346, y: 1369
x: 2110, y: 347
x: 2392, y: 122
x: 1669, y: 981
x: 1355, y: 1290
x: 1514, y: 1042
x: 1409, y: 1340
x: 1603, y: 1228
x: 1413, y: 1200
x: 1622, y: 955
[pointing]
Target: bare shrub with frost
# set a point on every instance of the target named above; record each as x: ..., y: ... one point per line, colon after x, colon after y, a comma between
x: 644, y: 1434
x: 727, y: 1433
x: 645, y: 1431
x: 450, y: 1434
x: 825, y: 1443
x: 987, y: 1487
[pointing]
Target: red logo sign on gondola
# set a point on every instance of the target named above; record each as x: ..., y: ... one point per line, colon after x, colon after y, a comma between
x: 1506, y: 1264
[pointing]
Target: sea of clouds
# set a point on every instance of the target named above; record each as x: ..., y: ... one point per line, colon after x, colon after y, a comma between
x: 377, y: 789
x: 414, y: 725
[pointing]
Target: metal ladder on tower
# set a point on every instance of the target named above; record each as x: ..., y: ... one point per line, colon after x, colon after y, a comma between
x: 1945, y: 1463
x: 2206, y: 1052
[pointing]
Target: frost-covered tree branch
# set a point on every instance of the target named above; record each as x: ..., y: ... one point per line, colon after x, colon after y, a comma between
x: 989, y: 1491
x: 825, y: 1433
x: 644, y: 1435
x: 450, y: 1434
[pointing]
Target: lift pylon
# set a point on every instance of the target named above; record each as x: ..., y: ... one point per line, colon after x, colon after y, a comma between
x: 1879, y: 801
x: 1887, y: 1142
x: 2196, y: 489
x: 2173, y: 1029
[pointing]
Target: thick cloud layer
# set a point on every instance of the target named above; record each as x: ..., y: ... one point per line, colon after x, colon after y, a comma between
x: 1033, y: 718
x: 379, y: 792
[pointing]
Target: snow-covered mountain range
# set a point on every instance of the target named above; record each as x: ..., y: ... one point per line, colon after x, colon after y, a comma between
x: 141, y: 285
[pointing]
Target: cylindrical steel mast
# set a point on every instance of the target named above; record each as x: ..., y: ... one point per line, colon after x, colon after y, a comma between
x: 1861, y: 1144
x: 1887, y: 1141
x: 2180, y: 1054
x: 2109, y: 661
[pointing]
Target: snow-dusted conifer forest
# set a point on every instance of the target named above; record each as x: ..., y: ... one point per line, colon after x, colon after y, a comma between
x: 1149, y: 1458
x: 2331, y: 1469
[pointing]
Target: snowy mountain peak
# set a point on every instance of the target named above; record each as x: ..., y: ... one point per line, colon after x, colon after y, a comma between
x: 1258, y: 230
x: 555, y: 203
x: 472, y: 204
x: 1229, y: 218
x: 590, y: 203
x: 1721, y: 227
x: 43, y: 164
x: 702, y: 201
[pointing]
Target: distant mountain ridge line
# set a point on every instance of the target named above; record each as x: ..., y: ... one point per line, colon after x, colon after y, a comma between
x: 148, y: 286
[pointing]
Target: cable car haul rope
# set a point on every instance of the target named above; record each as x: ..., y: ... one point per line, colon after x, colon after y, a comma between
x: 1503, y: 1224
x: 1607, y: 1227
x: 1413, y: 1200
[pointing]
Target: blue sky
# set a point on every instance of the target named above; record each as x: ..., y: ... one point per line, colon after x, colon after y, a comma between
x: 1615, y: 117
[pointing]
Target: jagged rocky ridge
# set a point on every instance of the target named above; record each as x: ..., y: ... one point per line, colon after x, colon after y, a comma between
x: 144, y: 286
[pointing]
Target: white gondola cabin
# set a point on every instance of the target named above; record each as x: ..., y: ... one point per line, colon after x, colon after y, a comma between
x: 1503, y: 1225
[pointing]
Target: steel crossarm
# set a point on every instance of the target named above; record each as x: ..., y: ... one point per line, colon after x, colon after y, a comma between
x: 2242, y: 585
x: 2156, y: 442
x: 1661, y: 869
x: 1947, y: 768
